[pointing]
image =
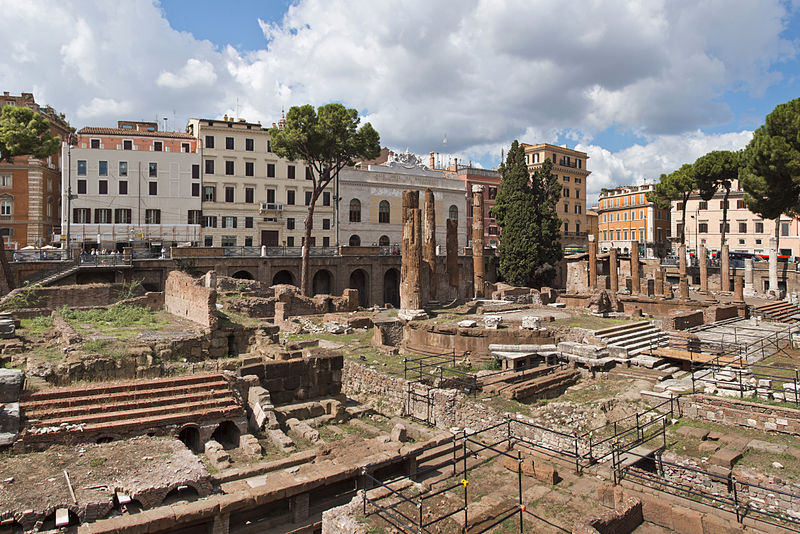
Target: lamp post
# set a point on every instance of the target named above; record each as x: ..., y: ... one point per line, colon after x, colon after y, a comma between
x: 71, y: 141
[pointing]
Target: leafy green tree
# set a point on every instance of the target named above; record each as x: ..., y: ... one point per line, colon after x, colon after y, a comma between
x: 525, y: 209
x: 677, y: 185
x: 770, y: 165
x: 717, y: 170
x: 24, y: 132
x: 327, y: 139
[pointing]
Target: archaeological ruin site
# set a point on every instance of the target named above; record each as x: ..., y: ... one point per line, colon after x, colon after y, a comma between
x: 199, y: 393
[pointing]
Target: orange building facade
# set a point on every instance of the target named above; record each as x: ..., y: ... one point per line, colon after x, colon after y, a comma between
x: 625, y: 215
x: 30, y: 188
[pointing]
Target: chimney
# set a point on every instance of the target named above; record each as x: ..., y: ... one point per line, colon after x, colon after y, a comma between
x: 433, y: 161
x: 225, y: 117
x: 455, y: 165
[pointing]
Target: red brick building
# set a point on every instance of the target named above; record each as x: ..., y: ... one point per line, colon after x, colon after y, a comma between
x: 30, y: 203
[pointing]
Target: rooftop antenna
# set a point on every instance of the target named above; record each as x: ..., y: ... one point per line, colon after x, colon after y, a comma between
x: 166, y: 128
x: 237, y: 107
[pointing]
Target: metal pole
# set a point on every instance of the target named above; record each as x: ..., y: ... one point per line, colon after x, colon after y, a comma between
x: 519, y: 486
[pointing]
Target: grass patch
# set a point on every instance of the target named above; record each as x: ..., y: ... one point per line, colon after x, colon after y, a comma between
x: 590, y: 322
x: 37, y: 325
x: 116, y: 316
x: 97, y: 462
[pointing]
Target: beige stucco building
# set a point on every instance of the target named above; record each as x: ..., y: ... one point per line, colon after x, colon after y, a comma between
x: 250, y: 196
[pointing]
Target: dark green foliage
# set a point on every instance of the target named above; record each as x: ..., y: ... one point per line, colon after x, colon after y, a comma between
x: 716, y: 170
x: 525, y: 209
x: 677, y: 185
x: 326, y: 139
x: 24, y: 132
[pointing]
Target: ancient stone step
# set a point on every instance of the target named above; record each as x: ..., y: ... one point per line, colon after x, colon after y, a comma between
x: 611, y: 331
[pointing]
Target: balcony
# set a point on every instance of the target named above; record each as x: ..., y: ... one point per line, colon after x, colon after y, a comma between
x: 267, y: 207
x: 571, y: 163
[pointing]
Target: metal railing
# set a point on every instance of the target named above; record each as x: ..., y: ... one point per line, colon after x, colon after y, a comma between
x: 439, y: 366
x: 39, y: 255
x: 104, y: 260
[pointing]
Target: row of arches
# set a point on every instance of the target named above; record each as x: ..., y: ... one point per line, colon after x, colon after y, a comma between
x: 385, y: 211
x: 355, y: 241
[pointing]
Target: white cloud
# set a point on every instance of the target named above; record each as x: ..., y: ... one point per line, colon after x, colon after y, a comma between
x: 195, y: 73
x: 103, y: 107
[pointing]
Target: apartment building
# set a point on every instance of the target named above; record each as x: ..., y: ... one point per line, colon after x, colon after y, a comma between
x: 570, y: 167
x: 625, y: 215
x: 132, y: 185
x: 371, y: 206
x: 29, y: 187
x: 250, y: 196
x: 490, y: 180
x: 746, y: 231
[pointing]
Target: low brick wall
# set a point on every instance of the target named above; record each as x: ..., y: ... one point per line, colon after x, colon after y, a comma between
x: 317, y: 375
x: 186, y: 297
x: 623, y: 519
x: 682, y: 321
x: 290, y: 303
x: 733, y: 412
x: 719, y: 313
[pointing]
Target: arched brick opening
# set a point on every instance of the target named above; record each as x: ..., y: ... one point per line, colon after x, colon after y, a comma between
x: 190, y: 436
x: 322, y: 283
x: 227, y: 434
x: 391, y: 287
x: 105, y: 439
x: 358, y: 280
x: 12, y: 527
x: 134, y: 506
x: 243, y: 275
x: 180, y: 494
x: 283, y: 277
x: 49, y: 522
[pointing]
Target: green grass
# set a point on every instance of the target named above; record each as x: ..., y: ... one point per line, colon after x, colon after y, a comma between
x: 589, y: 322
x: 37, y: 325
x: 97, y: 462
x: 116, y: 316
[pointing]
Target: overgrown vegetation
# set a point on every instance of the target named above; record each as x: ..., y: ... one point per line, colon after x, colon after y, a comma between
x: 129, y: 290
x: 187, y: 266
x: 116, y: 316
x: 26, y: 297
x: 37, y: 325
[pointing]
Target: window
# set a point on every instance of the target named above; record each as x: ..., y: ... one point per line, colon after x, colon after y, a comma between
x: 579, y: 210
x: 123, y: 168
x: 248, y: 222
x: 679, y: 206
x: 249, y: 145
x: 453, y: 212
x: 79, y: 215
x: 123, y: 187
x: 566, y: 179
x: 81, y: 187
x: 383, y: 212
x: 355, y: 241
x: 102, y: 216
x: 308, y: 173
x: 355, y: 210
x: 152, y: 188
x: 566, y: 193
x: 209, y: 166
x: 270, y: 170
x: 81, y: 167
x: 209, y: 193
x: 326, y: 198
x: 229, y: 143
x: 249, y: 195
x: 195, y: 172
x: 127, y: 144
x: 248, y: 241
x: 493, y: 230
x: 308, y: 198
x: 740, y: 204
x: 566, y: 209
x: 209, y: 222
x: 153, y: 170
x: 723, y: 204
x: 194, y: 217
x: 158, y: 146
x: 702, y: 228
x: 290, y: 172
x: 6, y: 180
x: 249, y: 168
x: 185, y: 147
x: 229, y: 168
x: 383, y: 241
x: 577, y: 180
x: 326, y: 224
x: 6, y: 207
x: 566, y: 227
x: 619, y: 236
x: 208, y: 241
x: 228, y: 193
x: 290, y: 197
x: 727, y: 227
x: 759, y: 227
x: 195, y: 190
x: 7, y: 232
x: 290, y: 223
x: 577, y: 193
x: 270, y: 196
x: 326, y: 241
x: 742, y: 227
x: 741, y: 241
x: 152, y: 216
x: 289, y: 240
x: 209, y: 141
x: 102, y: 187
x: 758, y: 241
x: 229, y: 222
x: 269, y: 146
x: 94, y: 143
x: 703, y: 205
x: 784, y: 228
x: 102, y: 168
x: 228, y: 241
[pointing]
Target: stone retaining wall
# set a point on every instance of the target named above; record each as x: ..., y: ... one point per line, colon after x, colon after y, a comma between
x: 319, y: 374
x: 733, y: 412
x: 187, y: 297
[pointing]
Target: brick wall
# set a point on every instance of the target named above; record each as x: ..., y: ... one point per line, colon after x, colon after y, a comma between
x: 719, y: 313
x: 319, y: 374
x: 186, y: 297
x: 684, y: 320
x: 735, y: 412
x: 289, y: 303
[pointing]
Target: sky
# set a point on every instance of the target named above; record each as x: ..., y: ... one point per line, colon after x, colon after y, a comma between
x: 641, y: 86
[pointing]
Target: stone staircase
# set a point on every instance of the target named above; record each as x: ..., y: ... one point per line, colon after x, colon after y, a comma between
x: 126, y: 409
x: 782, y: 311
x: 631, y: 340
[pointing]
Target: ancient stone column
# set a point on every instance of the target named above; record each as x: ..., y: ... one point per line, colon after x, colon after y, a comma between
x: 429, y: 246
x: 683, y: 287
x: 703, y: 269
x: 658, y: 283
x: 477, y: 240
x: 773, y: 266
x: 635, y: 268
x: 612, y: 269
x: 738, y: 289
x: 411, y: 257
x: 592, y: 262
x: 682, y: 263
x: 724, y: 269
x: 748, y: 277
x: 452, y: 257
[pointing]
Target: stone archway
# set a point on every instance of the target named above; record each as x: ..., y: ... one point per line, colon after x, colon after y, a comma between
x: 190, y: 436
x: 283, y: 277
x: 243, y: 275
x: 227, y: 434
x: 358, y: 280
x: 391, y: 287
x: 180, y: 494
x: 322, y: 283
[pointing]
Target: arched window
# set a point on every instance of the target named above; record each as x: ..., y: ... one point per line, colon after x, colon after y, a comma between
x: 453, y: 213
x: 355, y: 210
x: 384, y: 241
x: 383, y: 211
x: 7, y: 207
x: 355, y: 241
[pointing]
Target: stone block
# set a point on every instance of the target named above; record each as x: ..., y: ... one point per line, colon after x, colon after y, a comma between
x: 726, y: 457
x: 250, y: 445
x: 281, y: 440
x: 399, y: 433
x: 531, y: 322
x: 492, y: 322
x: 708, y: 447
x: 766, y: 446
x: 693, y: 432
x: 467, y: 323
x: 686, y: 521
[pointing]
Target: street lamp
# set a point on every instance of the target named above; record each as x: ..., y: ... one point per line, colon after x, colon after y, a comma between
x: 72, y: 140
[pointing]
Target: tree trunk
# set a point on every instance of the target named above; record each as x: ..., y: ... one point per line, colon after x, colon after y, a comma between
x: 683, y: 220
x: 724, y: 216
x: 305, y: 268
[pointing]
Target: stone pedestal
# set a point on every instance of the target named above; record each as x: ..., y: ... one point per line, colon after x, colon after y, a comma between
x: 749, y: 289
x: 636, y: 288
x: 592, y: 262
x: 477, y: 241
x: 773, y: 267
x: 429, y: 244
x: 453, y: 277
x: 724, y: 269
x: 703, y: 269
x: 612, y: 269
x: 683, y: 288
x: 738, y: 289
x: 658, y: 282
